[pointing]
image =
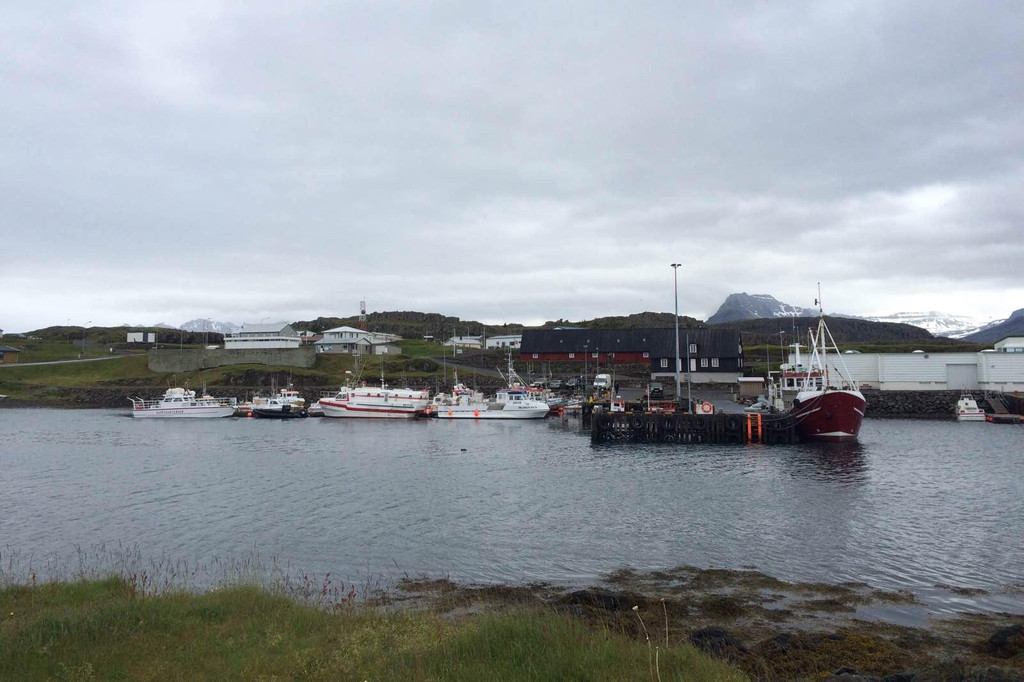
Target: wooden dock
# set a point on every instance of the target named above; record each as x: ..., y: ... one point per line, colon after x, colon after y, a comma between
x: 681, y: 427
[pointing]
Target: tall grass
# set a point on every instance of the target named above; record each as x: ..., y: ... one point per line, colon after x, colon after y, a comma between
x: 106, y: 630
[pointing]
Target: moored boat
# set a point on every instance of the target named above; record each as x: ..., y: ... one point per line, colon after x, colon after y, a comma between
x: 179, y: 403
x: 829, y: 405
x: 512, y: 402
x: 967, y: 409
x: 278, y: 408
x: 376, y: 402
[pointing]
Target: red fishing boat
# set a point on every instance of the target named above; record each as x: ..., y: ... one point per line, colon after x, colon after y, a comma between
x: 829, y: 405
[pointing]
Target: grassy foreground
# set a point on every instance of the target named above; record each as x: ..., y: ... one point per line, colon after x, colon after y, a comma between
x: 104, y: 630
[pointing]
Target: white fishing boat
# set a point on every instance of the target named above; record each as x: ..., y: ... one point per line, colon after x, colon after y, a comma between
x: 179, y: 403
x: 513, y: 402
x: 376, y: 402
x: 967, y: 409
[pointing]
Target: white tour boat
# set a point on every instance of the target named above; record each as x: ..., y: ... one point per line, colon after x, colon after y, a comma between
x: 967, y: 409
x: 376, y: 402
x: 179, y: 403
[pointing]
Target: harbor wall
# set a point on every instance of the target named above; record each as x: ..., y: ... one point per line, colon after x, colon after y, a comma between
x: 916, y: 404
x: 170, y: 360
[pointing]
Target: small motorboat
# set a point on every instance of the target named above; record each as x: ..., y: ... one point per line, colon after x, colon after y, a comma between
x: 967, y: 409
x: 278, y: 408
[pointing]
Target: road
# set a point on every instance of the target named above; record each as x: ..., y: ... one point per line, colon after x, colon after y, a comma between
x: 61, y: 362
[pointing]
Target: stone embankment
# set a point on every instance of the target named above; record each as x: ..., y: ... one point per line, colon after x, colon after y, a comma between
x: 917, y: 404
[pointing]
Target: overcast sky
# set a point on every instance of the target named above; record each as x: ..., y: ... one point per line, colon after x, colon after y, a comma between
x: 506, y: 161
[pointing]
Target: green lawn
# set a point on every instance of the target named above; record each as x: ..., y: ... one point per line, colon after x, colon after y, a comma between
x: 104, y: 630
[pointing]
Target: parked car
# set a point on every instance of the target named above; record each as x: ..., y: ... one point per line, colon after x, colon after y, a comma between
x: 555, y: 384
x: 657, y: 390
x: 603, y: 382
x: 573, y: 382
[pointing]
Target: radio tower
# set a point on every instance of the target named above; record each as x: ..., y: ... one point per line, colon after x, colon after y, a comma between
x: 362, y: 315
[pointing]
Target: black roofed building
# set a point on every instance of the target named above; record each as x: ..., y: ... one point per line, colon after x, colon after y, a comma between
x: 716, y: 355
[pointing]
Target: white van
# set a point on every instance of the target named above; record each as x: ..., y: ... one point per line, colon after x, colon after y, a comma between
x: 603, y: 382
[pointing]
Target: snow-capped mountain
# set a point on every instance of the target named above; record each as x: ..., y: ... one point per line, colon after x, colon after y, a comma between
x: 938, y: 323
x: 744, y: 306
x: 1011, y: 326
x: 203, y: 325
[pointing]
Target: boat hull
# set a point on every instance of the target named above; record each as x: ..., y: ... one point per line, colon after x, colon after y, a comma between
x: 832, y: 415
x: 460, y: 412
x: 357, y: 411
x: 212, y: 412
x: 971, y: 417
x: 279, y: 414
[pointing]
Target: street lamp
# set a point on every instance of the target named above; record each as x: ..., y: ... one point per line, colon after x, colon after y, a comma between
x: 83, y: 336
x: 675, y: 286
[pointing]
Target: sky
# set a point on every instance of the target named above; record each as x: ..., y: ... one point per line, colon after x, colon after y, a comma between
x: 506, y: 162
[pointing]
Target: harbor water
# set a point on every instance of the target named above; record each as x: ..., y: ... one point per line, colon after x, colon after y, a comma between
x: 915, y: 505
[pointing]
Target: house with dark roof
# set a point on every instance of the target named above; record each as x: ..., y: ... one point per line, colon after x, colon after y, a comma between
x: 8, y: 354
x: 716, y: 355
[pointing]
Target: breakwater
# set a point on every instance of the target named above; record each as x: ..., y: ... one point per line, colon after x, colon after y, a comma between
x: 917, y: 404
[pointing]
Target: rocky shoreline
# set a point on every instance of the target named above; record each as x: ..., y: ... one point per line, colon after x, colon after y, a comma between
x: 769, y: 628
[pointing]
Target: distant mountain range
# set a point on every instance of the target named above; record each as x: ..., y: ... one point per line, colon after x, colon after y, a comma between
x: 1011, y: 326
x: 203, y: 325
x: 745, y: 306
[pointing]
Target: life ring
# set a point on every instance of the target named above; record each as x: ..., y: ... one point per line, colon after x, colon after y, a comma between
x: 476, y: 413
x: 449, y: 413
x: 706, y: 407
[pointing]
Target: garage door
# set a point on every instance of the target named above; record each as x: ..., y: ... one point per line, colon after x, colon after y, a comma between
x: 959, y: 377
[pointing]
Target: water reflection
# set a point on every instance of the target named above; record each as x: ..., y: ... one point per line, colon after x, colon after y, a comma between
x: 843, y: 462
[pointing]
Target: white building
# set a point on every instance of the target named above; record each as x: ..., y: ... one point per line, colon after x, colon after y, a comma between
x: 262, y: 336
x: 141, y: 337
x: 357, y: 342
x: 465, y: 342
x: 505, y: 341
x: 999, y: 369
x: 1011, y: 344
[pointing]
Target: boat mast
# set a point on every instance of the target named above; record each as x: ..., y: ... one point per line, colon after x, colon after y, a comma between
x: 821, y: 333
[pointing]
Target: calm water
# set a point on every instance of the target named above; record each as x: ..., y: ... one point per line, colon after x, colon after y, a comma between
x: 915, y: 504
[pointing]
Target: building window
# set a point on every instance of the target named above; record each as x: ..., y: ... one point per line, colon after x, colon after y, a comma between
x: 593, y: 355
x: 703, y: 362
x: 572, y: 356
x: 647, y: 355
x: 693, y: 348
x: 714, y: 362
x: 739, y: 362
x: 535, y: 356
x: 664, y: 362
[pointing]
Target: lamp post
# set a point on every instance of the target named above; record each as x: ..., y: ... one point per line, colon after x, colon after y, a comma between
x: 83, y: 336
x: 585, y: 350
x: 675, y: 287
